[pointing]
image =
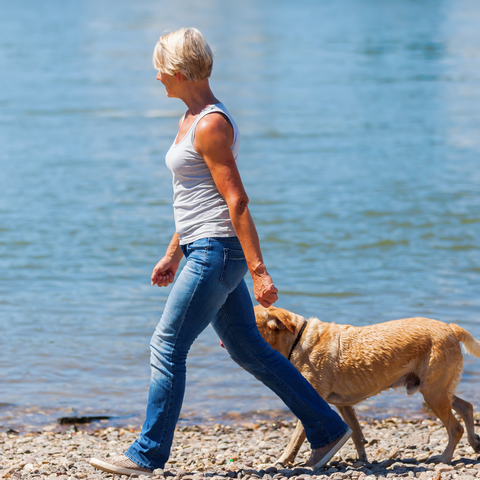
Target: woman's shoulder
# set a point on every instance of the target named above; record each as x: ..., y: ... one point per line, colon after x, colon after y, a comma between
x: 215, y: 118
x: 213, y: 126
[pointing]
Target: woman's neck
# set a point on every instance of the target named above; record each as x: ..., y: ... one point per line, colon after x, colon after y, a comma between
x: 197, y: 96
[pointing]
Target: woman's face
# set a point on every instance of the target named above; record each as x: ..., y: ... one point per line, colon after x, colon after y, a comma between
x: 169, y: 81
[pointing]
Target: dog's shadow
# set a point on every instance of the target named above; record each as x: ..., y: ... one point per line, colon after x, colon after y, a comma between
x: 401, y: 467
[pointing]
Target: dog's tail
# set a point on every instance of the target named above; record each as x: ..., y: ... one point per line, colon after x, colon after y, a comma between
x: 471, y: 345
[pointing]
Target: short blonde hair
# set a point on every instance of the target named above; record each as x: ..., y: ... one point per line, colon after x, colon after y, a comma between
x: 186, y: 51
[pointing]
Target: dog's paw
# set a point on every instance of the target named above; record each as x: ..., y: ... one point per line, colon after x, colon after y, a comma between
x: 438, y: 459
x: 284, y: 461
x: 476, y: 447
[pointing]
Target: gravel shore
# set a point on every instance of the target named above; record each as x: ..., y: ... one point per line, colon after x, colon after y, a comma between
x: 397, y: 448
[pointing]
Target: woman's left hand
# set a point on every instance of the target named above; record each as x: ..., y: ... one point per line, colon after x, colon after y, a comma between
x: 263, y: 288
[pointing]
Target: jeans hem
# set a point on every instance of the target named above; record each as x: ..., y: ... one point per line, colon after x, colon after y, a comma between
x: 136, y: 461
x: 336, y: 437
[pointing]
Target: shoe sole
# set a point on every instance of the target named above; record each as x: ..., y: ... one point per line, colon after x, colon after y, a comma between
x: 108, y: 467
x: 327, y: 457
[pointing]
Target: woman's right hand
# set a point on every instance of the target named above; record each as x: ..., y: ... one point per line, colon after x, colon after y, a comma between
x: 164, y: 272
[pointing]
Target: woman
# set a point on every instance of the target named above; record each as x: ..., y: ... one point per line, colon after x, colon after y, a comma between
x: 215, y: 232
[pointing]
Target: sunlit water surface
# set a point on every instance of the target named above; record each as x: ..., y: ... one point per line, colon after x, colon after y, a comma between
x: 360, y: 125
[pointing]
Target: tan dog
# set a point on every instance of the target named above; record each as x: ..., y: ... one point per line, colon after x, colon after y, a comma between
x: 348, y: 364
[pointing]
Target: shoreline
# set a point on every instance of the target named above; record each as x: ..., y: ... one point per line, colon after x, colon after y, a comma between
x: 35, y: 418
x: 397, y: 448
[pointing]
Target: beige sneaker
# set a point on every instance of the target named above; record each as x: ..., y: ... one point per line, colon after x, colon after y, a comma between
x: 121, y: 465
x: 321, y: 456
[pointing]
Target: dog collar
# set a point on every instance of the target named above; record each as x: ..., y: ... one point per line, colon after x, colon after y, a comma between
x: 299, y: 336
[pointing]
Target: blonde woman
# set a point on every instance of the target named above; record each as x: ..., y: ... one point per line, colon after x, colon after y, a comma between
x: 216, y: 234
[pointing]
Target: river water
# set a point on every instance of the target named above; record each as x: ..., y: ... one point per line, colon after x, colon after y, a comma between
x: 360, y: 125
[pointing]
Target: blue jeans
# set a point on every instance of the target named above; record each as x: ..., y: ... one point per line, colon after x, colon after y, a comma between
x: 211, y: 288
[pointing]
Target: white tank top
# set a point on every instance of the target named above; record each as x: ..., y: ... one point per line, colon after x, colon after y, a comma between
x: 199, y: 209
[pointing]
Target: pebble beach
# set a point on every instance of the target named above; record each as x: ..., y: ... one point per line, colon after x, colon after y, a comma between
x: 397, y: 448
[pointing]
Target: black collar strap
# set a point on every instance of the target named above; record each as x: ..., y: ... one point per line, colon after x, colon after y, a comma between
x: 299, y: 336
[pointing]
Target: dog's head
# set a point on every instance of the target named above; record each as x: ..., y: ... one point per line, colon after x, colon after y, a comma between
x: 278, y: 327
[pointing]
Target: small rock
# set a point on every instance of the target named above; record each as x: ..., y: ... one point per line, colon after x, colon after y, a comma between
x: 417, y: 440
x: 28, y: 467
x: 394, y: 452
x: 443, y: 468
x: 422, y: 457
x: 426, y: 475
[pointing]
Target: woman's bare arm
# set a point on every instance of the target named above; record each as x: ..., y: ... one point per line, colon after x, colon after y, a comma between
x: 213, y: 140
x: 164, y: 271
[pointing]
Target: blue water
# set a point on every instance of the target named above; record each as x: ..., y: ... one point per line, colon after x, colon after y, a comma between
x: 360, y: 125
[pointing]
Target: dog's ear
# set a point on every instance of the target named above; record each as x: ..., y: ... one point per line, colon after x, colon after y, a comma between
x: 275, y: 324
x: 279, y: 319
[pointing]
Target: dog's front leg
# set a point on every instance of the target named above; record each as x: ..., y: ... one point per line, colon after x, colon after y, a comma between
x: 293, y: 446
x: 350, y: 417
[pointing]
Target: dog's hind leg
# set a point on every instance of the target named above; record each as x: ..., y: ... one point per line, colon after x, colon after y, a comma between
x: 465, y: 410
x: 293, y: 446
x: 441, y: 406
x: 350, y: 417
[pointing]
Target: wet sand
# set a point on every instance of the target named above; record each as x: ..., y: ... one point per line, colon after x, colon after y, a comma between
x: 397, y: 448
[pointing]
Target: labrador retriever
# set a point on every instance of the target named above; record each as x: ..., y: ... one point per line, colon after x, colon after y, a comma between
x: 347, y: 364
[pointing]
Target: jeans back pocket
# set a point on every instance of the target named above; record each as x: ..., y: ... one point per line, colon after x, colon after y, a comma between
x: 234, y: 268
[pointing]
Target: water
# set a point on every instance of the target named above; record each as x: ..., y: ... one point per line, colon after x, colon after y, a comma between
x: 360, y: 151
